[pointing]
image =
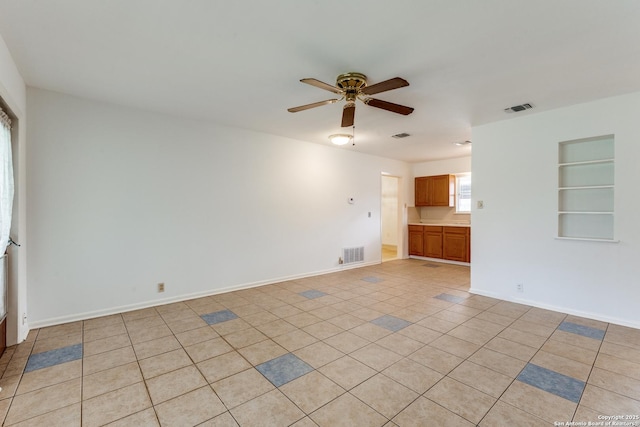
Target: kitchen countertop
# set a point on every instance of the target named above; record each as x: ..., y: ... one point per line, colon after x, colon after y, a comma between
x: 442, y: 224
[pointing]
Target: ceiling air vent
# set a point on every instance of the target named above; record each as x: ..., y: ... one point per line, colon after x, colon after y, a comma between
x: 518, y: 108
x: 400, y: 135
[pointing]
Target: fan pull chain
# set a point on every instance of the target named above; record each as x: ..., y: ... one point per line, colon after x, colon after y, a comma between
x: 353, y: 136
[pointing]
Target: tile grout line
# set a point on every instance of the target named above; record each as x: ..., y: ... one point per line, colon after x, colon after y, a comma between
x: 593, y: 365
x: 516, y: 377
x: 467, y: 359
x: 201, y: 373
x: 21, y: 374
x: 146, y: 387
x: 531, y: 358
x: 250, y: 298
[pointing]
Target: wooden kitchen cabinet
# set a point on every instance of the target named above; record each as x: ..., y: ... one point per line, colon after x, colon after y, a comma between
x: 433, y: 242
x: 451, y: 243
x: 422, y: 191
x: 438, y: 190
x: 456, y: 243
x: 416, y: 240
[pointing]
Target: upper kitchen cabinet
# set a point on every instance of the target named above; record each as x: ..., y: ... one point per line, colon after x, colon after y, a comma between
x: 439, y: 190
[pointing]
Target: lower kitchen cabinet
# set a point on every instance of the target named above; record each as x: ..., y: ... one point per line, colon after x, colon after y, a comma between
x: 451, y: 243
x: 433, y: 242
x: 416, y: 240
x: 456, y: 243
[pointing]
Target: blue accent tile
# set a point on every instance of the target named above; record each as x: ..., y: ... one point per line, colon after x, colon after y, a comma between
x: 219, y: 317
x: 54, y: 357
x: 552, y: 382
x: 585, y: 331
x: 283, y: 369
x: 372, y: 279
x: 311, y: 294
x: 450, y: 298
x: 391, y: 323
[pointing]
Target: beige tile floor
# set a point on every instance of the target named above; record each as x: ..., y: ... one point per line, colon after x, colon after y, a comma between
x: 450, y: 364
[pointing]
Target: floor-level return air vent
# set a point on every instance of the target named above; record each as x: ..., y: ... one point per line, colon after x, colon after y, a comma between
x: 351, y: 255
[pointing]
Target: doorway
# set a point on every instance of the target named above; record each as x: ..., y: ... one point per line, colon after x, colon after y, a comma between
x: 389, y: 217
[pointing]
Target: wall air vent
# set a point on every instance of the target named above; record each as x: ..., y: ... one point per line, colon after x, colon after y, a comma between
x: 518, y: 108
x: 400, y: 135
x: 351, y: 255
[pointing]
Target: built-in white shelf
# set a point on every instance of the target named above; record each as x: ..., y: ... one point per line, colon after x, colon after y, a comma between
x: 586, y: 189
x: 585, y: 213
x: 581, y: 239
x: 587, y: 162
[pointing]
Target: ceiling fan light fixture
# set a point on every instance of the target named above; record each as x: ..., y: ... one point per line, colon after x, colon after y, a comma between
x: 340, y: 138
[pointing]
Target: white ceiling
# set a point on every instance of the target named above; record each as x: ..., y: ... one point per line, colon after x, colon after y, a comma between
x: 239, y: 62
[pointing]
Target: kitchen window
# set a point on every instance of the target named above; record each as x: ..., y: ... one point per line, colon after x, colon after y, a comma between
x: 463, y: 193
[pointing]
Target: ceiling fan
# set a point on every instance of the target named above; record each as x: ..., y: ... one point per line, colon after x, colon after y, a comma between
x: 352, y: 86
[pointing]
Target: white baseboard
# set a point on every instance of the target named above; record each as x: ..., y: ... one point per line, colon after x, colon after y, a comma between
x: 565, y: 310
x: 445, y: 261
x: 184, y: 297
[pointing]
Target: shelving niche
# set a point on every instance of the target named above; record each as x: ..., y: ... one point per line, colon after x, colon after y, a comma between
x: 586, y: 189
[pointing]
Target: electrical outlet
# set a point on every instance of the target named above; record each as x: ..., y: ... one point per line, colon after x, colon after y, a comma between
x: 520, y: 287
x: 480, y: 204
x: 160, y: 287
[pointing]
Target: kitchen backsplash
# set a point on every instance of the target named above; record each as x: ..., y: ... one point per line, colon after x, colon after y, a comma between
x: 436, y: 214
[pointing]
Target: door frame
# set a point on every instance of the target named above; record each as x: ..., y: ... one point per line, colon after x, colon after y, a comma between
x: 400, y: 215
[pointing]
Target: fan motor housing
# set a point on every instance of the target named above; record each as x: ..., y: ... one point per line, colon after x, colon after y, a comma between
x: 351, y: 84
x: 351, y: 81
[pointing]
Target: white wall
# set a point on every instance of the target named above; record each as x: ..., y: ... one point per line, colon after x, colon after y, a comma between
x: 122, y: 199
x: 13, y: 94
x: 515, y: 174
x: 441, y: 167
x: 11, y: 82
